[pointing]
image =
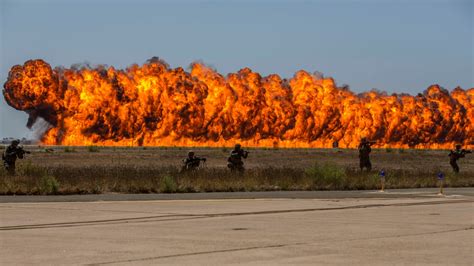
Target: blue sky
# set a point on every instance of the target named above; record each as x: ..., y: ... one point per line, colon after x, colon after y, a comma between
x: 396, y: 46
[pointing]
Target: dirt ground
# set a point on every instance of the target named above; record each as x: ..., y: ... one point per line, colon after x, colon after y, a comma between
x: 422, y: 160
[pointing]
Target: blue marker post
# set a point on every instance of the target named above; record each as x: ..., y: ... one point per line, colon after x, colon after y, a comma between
x: 441, y: 183
x: 382, y: 180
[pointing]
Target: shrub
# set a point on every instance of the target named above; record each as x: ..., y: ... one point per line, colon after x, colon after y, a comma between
x: 168, y: 184
x: 29, y: 169
x: 69, y: 149
x: 327, y: 176
x: 48, y: 185
x: 97, y: 188
x: 3, y: 172
x: 92, y: 148
x: 388, y: 150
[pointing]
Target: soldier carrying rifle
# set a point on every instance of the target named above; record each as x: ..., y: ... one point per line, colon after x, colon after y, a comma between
x: 364, y: 152
x: 455, y: 154
x: 234, y: 162
x: 192, y: 162
x: 10, y: 155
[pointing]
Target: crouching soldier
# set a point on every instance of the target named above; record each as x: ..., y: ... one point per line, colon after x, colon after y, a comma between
x: 10, y: 155
x: 234, y: 162
x: 192, y: 162
x: 455, y: 155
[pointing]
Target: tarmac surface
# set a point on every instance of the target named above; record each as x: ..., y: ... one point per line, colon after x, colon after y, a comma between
x: 414, y: 226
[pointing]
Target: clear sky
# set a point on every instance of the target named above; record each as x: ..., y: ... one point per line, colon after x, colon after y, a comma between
x: 396, y: 46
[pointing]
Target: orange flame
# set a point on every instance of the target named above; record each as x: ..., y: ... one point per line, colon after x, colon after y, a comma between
x: 153, y: 104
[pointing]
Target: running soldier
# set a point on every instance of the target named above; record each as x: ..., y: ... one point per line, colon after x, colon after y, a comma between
x: 455, y: 155
x: 364, y: 154
x: 10, y: 155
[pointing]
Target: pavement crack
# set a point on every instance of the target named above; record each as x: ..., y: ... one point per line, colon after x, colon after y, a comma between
x: 189, y: 254
x: 158, y: 218
x: 99, y: 222
x: 268, y: 246
x: 415, y: 234
x: 78, y: 209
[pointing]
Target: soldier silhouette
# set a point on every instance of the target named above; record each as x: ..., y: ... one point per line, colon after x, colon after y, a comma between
x: 10, y: 155
x: 192, y: 162
x: 234, y: 162
x: 364, y: 154
x: 455, y: 155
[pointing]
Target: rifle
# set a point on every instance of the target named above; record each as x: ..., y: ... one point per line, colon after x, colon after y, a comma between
x: 188, y: 164
x: 369, y: 143
x: 21, y: 152
x: 462, y: 153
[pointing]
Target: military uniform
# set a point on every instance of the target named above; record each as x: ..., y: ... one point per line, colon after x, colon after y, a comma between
x: 10, y: 155
x: 192, y: 162
x: 455, y: 155
x: 234, y: 162
x: 364, y: 158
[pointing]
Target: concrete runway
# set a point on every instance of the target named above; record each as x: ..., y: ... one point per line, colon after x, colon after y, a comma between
x: 314, y: 228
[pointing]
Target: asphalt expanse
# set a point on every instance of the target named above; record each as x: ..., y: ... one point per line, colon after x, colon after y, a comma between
x: 396, y: 227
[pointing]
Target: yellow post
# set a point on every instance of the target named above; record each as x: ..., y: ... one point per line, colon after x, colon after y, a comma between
x: 441, y: 190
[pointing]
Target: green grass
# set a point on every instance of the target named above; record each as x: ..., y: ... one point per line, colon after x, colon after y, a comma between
x: 327, y: 176
x: 168, y: 184
x: 69, y: 149
x: 36, y: 179
x: 48, y: 185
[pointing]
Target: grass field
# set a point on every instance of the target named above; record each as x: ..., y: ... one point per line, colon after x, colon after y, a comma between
x: 67, y: 170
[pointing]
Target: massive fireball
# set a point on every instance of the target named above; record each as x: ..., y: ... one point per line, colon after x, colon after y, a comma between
x: 153, y: 104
